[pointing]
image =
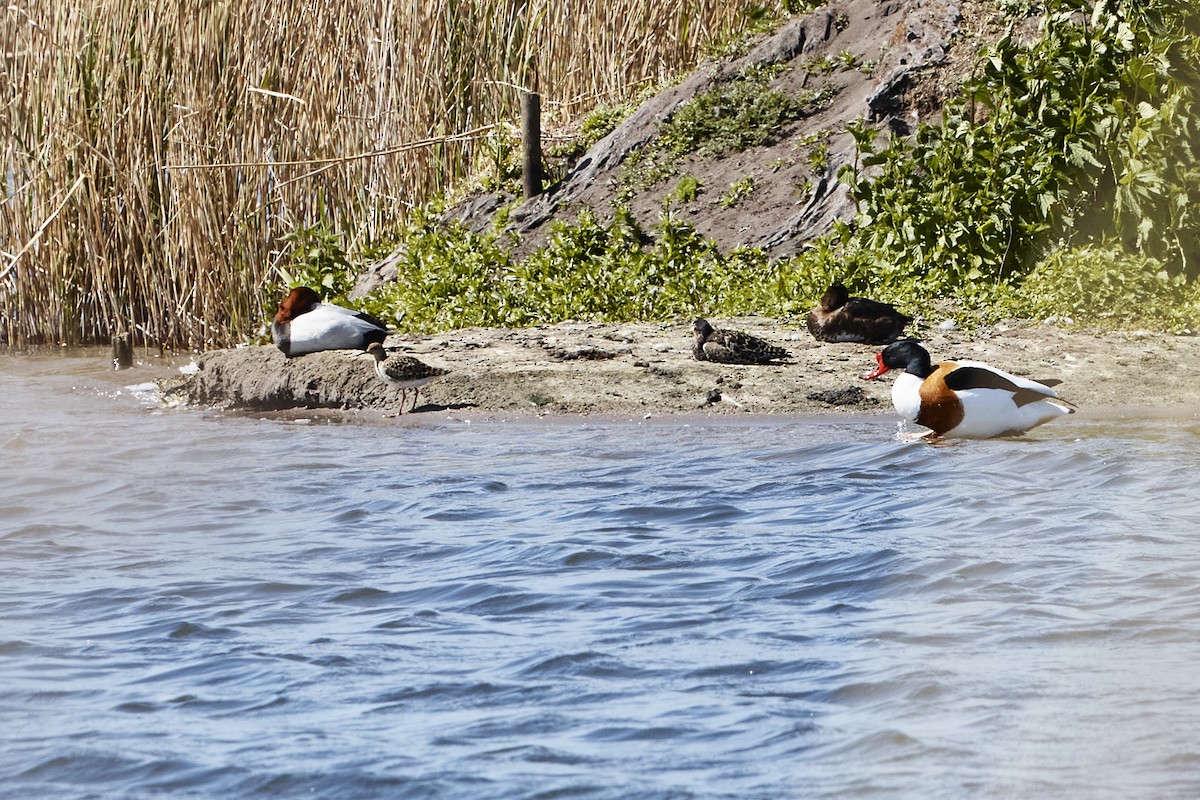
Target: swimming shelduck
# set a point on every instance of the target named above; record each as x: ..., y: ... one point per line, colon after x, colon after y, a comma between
x: 842, y: 318
x: 732, y: 347
x: 964, y: 399
x: 305, y: 325
x: 403, y: 372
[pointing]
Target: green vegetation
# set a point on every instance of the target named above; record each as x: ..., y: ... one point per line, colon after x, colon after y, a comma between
x: 730, y: 117
x: 158, y: 154
x: 450, y: 277
x: 686, y: 190
x: 818, y: 158
x: 1104, y: 286
x: 1078, y: 137
x: 845, y: 60
x: 316, y: 259
x: 738, y: 191
x: 1063, y: 184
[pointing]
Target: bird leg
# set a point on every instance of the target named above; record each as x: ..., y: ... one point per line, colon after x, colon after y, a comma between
x: 400, y: 409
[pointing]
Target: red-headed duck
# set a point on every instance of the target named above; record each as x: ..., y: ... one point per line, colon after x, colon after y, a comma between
x: 305, y: 325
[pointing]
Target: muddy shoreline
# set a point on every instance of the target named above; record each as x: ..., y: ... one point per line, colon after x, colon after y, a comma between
x: 646, y: 370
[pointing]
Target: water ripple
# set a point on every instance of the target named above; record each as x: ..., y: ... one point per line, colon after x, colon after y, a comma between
x: 605, y: 610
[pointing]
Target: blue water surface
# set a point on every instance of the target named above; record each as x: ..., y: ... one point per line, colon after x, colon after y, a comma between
x: 199, y: 604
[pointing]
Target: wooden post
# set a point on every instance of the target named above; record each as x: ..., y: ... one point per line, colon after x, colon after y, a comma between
x: 531, y: 142
x: 122, y: 351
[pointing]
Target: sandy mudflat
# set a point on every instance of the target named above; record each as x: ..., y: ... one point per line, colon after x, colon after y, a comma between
x: 646, y: 369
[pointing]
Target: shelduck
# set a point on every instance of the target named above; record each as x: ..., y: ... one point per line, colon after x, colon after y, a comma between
x: 964, y: 399
x: 304, y: 324
x: 842, y: 318
x: 732, y: 347
x: 404, y: 372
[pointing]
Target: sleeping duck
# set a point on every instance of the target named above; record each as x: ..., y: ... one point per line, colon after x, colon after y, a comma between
x: 842, y: 318
x: 304, y: 324
x: 732, y: 347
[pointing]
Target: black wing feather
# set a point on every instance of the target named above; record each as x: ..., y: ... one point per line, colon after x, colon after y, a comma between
x: 978, y: 378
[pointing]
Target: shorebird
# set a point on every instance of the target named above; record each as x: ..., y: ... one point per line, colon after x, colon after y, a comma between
x: 404, y: 372
x: 964, y: 399
x: 842, y: 318
x: 304, y: 324
x: 732, y: 347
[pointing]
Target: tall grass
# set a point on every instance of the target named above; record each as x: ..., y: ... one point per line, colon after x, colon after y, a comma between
x: 157, y: 152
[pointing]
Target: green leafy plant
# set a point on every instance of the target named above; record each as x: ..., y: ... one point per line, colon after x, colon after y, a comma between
x: 450, y: 277
x: 1153, y: 138
x: 501, y: 160
x: 685, y: 191
x: 1048, y: 137
x: 800, y: 6
x: 316, y: 259
x: 1103, y: 285
x: 966, y: 202
x: 818, y: 158
x: 738, y: 191
x: 1080, y: 135
x: 825, y: 65
x: 732, y: 116
x: 601, y: 122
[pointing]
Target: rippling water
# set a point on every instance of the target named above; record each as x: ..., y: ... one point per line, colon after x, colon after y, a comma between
x: 203, y: 605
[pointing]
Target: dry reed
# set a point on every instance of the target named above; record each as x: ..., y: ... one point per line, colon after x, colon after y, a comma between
x: 158, y: 151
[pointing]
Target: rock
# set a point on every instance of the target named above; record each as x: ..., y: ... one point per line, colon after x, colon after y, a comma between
x: 850, y: 396
x: 381, y: 272
x: 263, y: 379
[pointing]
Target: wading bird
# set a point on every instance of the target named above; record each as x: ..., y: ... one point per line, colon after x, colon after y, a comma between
x: 404, y: 372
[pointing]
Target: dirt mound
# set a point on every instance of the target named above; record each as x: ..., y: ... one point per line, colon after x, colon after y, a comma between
x: 868, y: 57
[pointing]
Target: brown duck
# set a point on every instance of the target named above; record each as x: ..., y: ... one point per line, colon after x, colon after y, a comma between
x: 842, y: 318
x: 732, y: 347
